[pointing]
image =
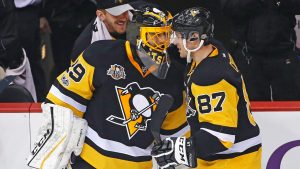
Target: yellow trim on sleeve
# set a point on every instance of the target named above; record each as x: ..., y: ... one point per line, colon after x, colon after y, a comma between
x: 99, y: 161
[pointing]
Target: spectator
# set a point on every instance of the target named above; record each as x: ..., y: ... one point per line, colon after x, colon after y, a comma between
x: 297, y: 29
x: 264, y: 38
x: 110, y: 23
x: 65, y: 19
x: 27, y: 13
x: 10, y: 48
x: 13, y: 60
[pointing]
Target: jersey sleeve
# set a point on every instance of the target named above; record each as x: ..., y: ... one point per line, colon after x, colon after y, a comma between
x: 216, y: 103
x: 74, y: 87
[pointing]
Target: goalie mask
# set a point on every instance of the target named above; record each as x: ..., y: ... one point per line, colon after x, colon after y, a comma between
x: 196, y: 20
x: 150, y: 31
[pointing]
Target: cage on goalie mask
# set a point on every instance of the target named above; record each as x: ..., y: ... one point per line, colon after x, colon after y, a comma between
x: 153, y: 24
x: 150, y: 30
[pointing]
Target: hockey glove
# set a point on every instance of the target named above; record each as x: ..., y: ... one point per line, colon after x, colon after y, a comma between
x: 174, y: 151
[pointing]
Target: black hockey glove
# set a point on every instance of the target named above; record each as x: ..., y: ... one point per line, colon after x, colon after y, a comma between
x: 174, y: 151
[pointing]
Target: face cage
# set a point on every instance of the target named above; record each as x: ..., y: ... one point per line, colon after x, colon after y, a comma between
x: 150, y: 34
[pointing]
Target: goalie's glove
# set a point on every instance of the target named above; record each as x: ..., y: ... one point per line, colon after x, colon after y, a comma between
x: 174, y: 151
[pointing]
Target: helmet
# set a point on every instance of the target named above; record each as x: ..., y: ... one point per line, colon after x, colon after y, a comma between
x: 194, y: 20
x: 150, y: 30
x: 153, y: 22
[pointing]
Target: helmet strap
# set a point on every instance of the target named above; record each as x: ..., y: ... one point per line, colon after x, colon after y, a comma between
x: 189, y: 51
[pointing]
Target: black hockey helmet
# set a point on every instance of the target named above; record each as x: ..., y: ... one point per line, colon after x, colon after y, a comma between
x: 193, y: 24
x: 195, y: 19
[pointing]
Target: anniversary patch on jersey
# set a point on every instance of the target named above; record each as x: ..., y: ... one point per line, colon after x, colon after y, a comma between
x: 137, y: 105
x: 65, y: 80
x: 117, y: 72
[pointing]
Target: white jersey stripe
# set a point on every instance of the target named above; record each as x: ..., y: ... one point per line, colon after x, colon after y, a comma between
x: 117, y: 147
x: 180, y: 133
x: 56, y: 92
x: 221, y: 136
x: 243, y: 145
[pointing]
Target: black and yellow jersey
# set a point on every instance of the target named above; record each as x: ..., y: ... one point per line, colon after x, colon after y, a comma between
x: 222, y: 126
x: 105, y: 85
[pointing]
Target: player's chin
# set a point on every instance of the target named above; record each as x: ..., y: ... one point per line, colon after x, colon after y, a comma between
x: 181, y: 53
x: 121, y: 30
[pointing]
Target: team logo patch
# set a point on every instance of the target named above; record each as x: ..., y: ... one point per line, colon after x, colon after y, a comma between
x: 137, y: 105
x: 194, y: 12
x: 117, y: 72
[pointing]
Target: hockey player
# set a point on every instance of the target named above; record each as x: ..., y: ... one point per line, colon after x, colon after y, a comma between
x: 115, y: 85
x: 223, y: 131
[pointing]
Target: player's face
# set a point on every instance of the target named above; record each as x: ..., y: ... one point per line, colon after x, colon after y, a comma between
x: 115, y: 24
x: 157, y: 40
x: 179, y: 44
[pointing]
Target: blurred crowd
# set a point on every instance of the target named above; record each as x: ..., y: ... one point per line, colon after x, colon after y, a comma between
x: 261, y: 36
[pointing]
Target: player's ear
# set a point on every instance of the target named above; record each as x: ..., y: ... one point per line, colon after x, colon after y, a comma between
x: 101, y: 14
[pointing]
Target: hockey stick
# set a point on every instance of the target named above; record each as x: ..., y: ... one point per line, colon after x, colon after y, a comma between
x: 5, y: 82
x: 164, y: 104
x: 123, y: 122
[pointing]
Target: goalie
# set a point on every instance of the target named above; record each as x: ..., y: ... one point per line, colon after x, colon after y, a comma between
x: 223, y: 131
x: 115, y: 85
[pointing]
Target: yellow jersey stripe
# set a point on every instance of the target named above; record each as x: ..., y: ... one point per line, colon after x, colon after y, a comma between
x: 246, y: 161
x: 99, y: 161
